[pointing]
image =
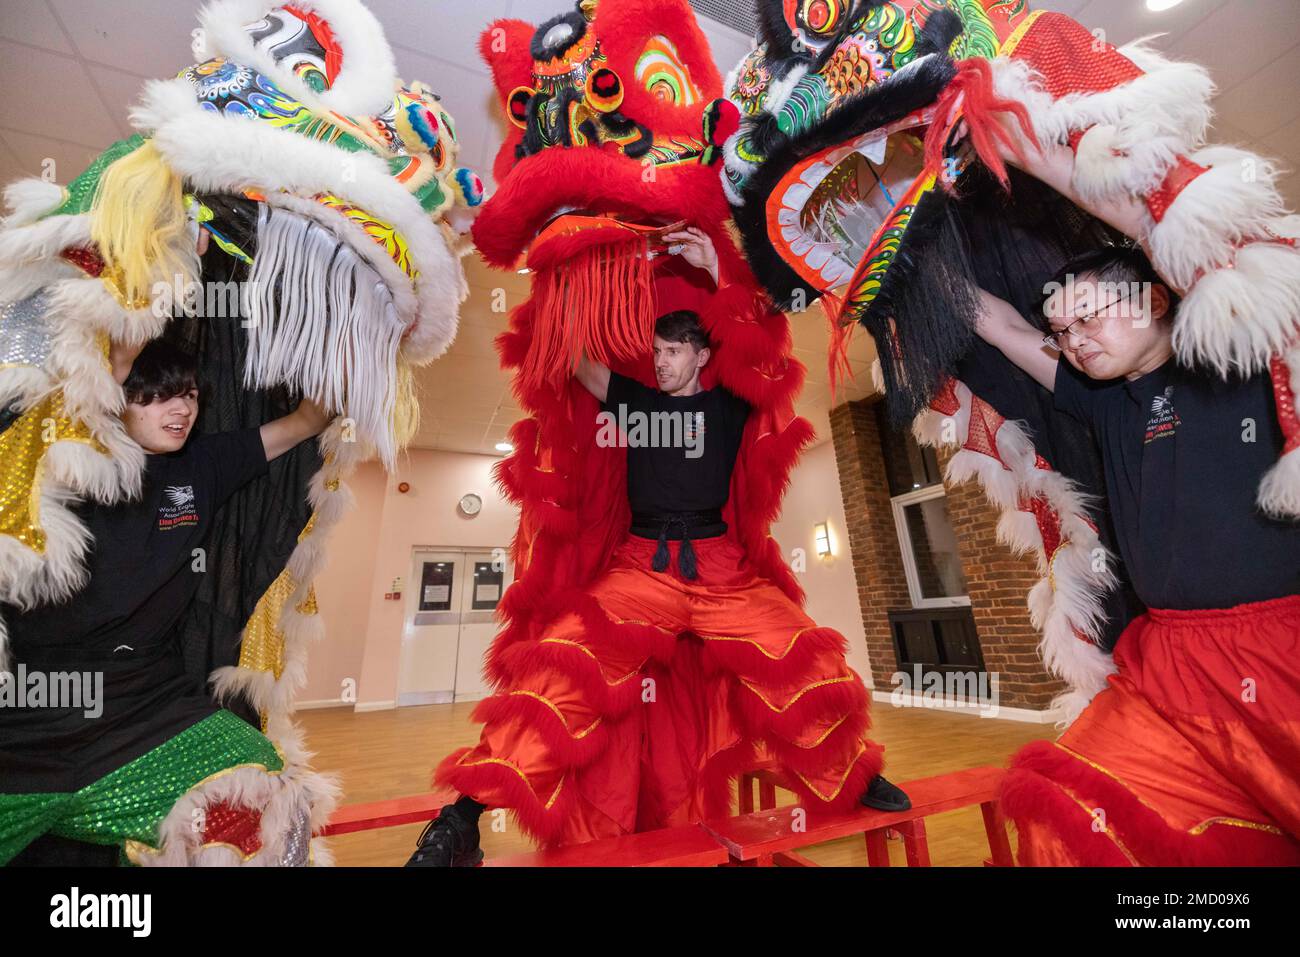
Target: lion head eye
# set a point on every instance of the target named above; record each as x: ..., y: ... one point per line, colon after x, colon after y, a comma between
x: 820, y: 17
x: 660, y: 71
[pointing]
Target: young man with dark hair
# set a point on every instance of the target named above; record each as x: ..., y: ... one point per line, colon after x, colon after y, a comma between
x: 140, y: 581
x: 677, y: 572
x: 1198, y: 726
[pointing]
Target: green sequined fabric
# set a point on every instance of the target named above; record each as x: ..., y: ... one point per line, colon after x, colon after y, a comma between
x: 81, y: 191
x: 131, y: 802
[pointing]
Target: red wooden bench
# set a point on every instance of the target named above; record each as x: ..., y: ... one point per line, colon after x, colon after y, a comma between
x: 766, y: 836
x: 412, y: 809
x: 689, y: 846
x: 761, y: 837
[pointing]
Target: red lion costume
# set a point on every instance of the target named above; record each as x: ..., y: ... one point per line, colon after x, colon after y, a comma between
x: 617, y: 110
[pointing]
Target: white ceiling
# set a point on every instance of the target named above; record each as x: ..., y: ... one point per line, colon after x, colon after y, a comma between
x: 69, y: 70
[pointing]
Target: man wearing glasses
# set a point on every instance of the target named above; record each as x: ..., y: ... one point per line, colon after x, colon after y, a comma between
x: 1192, y: 753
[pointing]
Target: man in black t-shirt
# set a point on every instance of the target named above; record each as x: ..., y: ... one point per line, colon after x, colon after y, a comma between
x: 1193, y: 751
x: 135, y: 718
x: 678, y: 572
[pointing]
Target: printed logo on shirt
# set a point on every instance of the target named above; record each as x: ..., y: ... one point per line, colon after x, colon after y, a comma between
x: 694, y: 428
x: 178, y: 508
x: 1164, y: 421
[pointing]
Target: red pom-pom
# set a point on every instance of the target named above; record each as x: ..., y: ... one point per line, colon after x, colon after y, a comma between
x: 725, y: 121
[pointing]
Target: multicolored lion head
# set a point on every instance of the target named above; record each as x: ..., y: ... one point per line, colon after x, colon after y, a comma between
x: 849, y: 181
x: 328, y: 196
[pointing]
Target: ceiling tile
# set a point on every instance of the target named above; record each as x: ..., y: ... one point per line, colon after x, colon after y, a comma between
x: 1264, y: 102
x: 1285, y: 143
x: 1270, y: 27
x: 32, y: 22
x: 35, y: 154
x: 448, y: 31
x: 149, y: 37
x: 1126, y: 20
x: 1070, y: 7
x: 28, y: 75
x: 119, y: 91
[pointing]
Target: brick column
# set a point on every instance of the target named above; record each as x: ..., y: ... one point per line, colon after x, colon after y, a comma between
x: 877, y: 562
x: 998, y: 583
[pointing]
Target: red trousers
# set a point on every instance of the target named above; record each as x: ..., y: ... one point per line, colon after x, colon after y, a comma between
x: 1191, y: 756
x: 633, y: 707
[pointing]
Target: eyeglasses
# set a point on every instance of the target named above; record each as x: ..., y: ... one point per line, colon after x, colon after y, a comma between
x: 1083, y: 327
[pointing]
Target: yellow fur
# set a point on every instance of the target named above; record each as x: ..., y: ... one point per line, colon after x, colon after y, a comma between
x: 138, y: 224
x: 406, y: 408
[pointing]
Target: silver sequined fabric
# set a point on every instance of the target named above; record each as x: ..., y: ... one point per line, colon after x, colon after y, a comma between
x: 24, y: 333
x: 297, y: 842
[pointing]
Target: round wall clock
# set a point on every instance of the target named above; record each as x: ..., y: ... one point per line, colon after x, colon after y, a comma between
x: 471, y: 503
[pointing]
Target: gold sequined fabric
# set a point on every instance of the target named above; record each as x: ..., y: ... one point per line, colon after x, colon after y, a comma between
x: 263, y: 646
x: 22, y: 454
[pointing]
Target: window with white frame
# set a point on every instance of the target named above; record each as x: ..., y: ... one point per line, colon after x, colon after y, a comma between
x: 931, y: 556
x: 931, y: 559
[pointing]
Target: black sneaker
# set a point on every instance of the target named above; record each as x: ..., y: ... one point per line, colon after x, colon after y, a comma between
x: 883, y: 796
x: 449, y: 840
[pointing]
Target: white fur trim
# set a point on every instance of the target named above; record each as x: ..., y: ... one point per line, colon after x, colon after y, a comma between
x: 30, y: 199
x: 1150, y: 120
x: 1237, y: 318
x: 284, y: 801
x: 1235, y: 201
x: 1074, y: 607
x: 368, y: 77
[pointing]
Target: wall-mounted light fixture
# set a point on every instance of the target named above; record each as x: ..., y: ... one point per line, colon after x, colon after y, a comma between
x: 822, y: 539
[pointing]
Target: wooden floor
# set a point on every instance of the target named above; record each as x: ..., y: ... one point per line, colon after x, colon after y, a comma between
x: 387, y: 754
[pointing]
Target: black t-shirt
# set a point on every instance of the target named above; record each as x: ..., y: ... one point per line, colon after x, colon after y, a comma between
x: 680, y: 449
x: 144, y: 568
x: 1184, y: 454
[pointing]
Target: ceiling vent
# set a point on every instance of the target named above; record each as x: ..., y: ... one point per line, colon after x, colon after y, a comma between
x: 737, y: 14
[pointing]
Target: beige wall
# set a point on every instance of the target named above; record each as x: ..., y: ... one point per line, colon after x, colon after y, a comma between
x: 829, y: 584
x: 372, y: 546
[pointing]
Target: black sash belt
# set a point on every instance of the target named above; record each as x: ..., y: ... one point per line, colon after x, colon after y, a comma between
x: 678, y: 526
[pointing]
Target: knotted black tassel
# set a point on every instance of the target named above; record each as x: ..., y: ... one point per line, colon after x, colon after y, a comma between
x: 686, y: 558
x: 660, y: 561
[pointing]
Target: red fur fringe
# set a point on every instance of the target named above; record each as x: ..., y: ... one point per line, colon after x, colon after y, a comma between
x: 979, y: 107
x: 598, y: 301
x: 532, y: 816
x: 1039, y: 787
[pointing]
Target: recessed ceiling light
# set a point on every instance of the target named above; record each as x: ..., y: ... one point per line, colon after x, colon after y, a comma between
x: 1156, y: 6
x: 504, y: 447
x: 523, y: 272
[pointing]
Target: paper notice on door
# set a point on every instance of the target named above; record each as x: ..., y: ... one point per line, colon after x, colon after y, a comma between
x: 487, y: 592
x: 433, y: 594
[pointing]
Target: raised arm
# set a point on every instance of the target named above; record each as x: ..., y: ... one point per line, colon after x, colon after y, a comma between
x: 594, y: 377
x: 121, y: 358
x: 1054, y: 165
x: 303, y: 423
x: 1006, y: 330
